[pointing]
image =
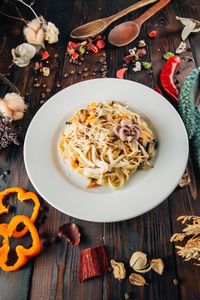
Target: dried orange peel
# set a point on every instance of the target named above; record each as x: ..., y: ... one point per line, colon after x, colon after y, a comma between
x: 23, y: 254
x: 22, y: 195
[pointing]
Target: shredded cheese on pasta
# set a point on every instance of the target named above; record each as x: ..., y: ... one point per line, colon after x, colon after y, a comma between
x: 106, y: 143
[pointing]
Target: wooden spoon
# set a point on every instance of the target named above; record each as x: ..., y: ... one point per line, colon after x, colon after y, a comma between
x: 126, y: 32
x: 93, y: 28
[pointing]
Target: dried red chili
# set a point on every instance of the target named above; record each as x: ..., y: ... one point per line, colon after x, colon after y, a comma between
x: 166, y: 77
x: 93, y: 262
x: 44, y: 55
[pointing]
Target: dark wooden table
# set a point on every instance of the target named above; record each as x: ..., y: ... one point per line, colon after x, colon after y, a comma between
x: 54, y: 273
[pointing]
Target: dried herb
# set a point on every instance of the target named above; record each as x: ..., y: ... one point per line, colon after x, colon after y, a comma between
x: 8, y: 134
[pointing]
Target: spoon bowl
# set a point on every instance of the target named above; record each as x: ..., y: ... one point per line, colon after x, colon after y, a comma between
x: 90, y: 29
x: 127, y: 31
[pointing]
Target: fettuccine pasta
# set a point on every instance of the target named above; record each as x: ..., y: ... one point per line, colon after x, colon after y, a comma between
x: 106, y: 143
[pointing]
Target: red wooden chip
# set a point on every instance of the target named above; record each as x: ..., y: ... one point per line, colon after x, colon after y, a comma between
x: 93, y: 262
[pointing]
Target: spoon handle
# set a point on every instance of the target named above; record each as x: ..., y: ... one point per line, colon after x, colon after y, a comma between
x: 151, y: 11
x: 129, y: 9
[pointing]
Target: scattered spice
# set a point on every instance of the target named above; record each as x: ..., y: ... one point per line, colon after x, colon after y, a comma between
x: 127, y: 296
x: 66, y: 75
x: 136, y: 279
x: 93, y: 262
x: 189, y: 250
x: 153, y: 34
x: 119, y: 271
x: 166, y: 77
x: 142, y: 43
x: 71, y: 233
x: 175, y: 281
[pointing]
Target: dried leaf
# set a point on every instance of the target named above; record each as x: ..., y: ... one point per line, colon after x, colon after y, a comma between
x: 157, y: 265
x: 119, y: 271
x: 70, y: 232
x: 147, y: 65
x: 168, y: 55
x: 136, y: 279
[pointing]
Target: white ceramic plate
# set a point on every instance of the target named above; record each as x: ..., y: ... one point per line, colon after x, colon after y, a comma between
x: 66, y: 190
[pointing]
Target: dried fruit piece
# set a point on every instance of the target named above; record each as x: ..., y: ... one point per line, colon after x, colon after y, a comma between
x: 119, y: 271
x: 157, y: 265
x: 93, y: 262
x: 137, y: 279
x: 70, y: 232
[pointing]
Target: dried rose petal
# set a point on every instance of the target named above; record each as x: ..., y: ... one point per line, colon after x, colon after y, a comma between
x: 100, y: 44
x: 141, y: 52
x: 153, y: 33
x: 44, y: 55
x: 93, y: 262
x: 74, y: 55
x: 37, y: 66
x: 128, y: 59
x: 70, y: 232
x: 120, y: 73
x: 94, y: 48
x: 72, y: 45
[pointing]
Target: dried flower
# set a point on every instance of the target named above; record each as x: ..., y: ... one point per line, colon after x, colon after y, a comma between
x: 157, y: 265
x: 153, y: 33
x: 120, y: 73
x: 7, y: 133
x: 137, y: 67
x: 127, y: 131
x: 137, y: 279
x: 51, y: 33
x: 191, y: 249
x: 119, y: 271
x: 23, y: 54
x: 142, y: 43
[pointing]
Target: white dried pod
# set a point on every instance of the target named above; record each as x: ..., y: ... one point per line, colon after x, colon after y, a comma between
x: 157, y: 265
x: 4, y: 110
x: 34, y: 24
x: 15, y: 102
x: 119, y: 271
x: 138, y: 261
x: 25, y: 49
x: 136, y: 279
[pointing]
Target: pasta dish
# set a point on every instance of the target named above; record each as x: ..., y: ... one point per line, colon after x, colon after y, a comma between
x: 106, y: 143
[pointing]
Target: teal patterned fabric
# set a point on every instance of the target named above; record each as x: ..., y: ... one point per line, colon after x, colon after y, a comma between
x: 189, y: 114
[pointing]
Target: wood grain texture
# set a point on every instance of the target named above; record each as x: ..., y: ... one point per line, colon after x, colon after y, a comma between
x: 54, y: 273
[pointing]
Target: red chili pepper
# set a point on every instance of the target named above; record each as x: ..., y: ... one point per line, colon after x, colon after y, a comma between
x: 74, y: 55
x: 166, y: 77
